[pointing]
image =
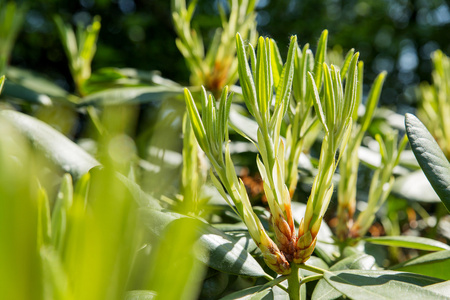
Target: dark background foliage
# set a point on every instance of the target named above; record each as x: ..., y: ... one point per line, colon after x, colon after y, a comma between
x: 393, y: 35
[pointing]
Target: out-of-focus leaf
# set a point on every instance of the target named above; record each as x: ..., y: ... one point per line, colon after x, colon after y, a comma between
x: 61, y: 208
x: 358, y: 284
x: 223, y: 252
x: 44, y: 232
x: 142, y: 198
x: 372, y: 159
x: 434, y: 264
x: 140, y: 295
x: 115, y: 77
x: 369, y: 157
x: 415, y: 187
x: 55, y: 280
x: 174, y: 275
x: 442, y: 288
x: 413, y: 242
x: 14, y: 90
x: 372, y: 100
x: 58, y: 148
x: 408, y: 160
x: 358, y: 261
x: 130, y: 95
x: 35, y: 82
x: 430, y: 157
x: 246, y: 125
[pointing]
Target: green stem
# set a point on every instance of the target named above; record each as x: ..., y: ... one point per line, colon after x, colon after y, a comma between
x: 95, y: 120
x: 311, y: 268
x: 311, y: 278
x: 294, y: 283
x: 276, y: 281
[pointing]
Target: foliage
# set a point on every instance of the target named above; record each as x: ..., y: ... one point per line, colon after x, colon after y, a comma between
x: 102, y: 199
x: 435, y: 105
x: 430, y: 157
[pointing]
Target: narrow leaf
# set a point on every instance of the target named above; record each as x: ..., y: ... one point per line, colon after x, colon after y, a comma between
x: 287, y: 76
x: 245, y: 76
x: 14, y: 90
x: 413, y: 242
x: 372, y: 101
x: 130, y: 95
x: 320, y: 58
x: 197, y: 125
x: 316, y: 101
x: 346, y: 64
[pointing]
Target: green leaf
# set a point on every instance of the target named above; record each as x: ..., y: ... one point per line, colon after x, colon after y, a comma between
x: 285, y: 85
x: 142, y: 199
x: 434, y: 264
x: 54, y: 275
x: 59, y: 220
x: 44, y: 222
x: 263, y: 78
x: 14, y: 90
x: 140, y: 295
x: 196, y: 121
x: 130, y: 95
x: 223, y: 252
x: 430, y: 157
x: 413, y: 242
x: 58, y: 148
x: 317, y: 102
x: 320, y: 58
x: 36, y: 82
x: 372, y: 101
x: 173, y: 273
x: 351, y: 87
x: 357, y: 284
x: 346, y: 63
x: 226, y: 255
x: 358, y: 261
x: 276, y: 61
x: 245, y: 76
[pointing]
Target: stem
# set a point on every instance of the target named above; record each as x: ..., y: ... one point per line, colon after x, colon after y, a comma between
x: 276, y: 281
x: 311, y: 268
x: 294, y: 283
x: 95, y: 120
x: 311, y: 278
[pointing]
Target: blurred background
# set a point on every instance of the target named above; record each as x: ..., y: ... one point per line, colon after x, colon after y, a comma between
x: 393, y: 35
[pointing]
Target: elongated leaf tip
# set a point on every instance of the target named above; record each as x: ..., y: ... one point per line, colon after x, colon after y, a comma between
x: 187, y: 95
